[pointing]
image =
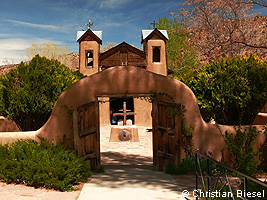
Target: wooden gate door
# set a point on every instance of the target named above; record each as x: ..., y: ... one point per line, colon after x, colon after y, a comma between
x: 166, y: 134
x: 86, y: 133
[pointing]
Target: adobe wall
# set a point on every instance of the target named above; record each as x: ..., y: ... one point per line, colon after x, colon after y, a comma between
x: 10, y: 137
x: 7, y: 125
x: 133, y: 80
x: 104, y: 111
x: 143, y: 109
x: 160, y: 67
x: 260, y: 119
x: 88, y: 46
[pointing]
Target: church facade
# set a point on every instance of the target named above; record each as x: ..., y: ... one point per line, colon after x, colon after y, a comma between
x: 153, y: 58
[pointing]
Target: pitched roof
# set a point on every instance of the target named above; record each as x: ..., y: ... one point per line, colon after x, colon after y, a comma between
x: 116, y: 48
x: 146, y: 34
x: 96, y: 35
x: 123, y: 53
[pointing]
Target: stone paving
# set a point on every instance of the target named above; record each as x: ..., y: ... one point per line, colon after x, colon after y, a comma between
x: 129, y: 174
x: 143, y: 147
x: 21, y: 192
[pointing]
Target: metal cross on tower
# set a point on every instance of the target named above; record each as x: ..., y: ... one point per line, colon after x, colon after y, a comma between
x: 89, y: 24
x: 154, y: 24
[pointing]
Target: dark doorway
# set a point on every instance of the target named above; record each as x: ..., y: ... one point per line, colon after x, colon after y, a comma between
x: 116, y: 104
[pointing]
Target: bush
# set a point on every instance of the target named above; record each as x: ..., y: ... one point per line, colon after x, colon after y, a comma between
x: 42, y: 165
x: 241, y: 148
x: 28, y: 93
x: 101, y: 169
x: 231, y: 91
x: 188, y: 164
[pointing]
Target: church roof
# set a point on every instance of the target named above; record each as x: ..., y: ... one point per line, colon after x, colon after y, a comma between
x: 123, y: 53
x: 123, y: 44
x: 81, y: 34
x: 147, y: 33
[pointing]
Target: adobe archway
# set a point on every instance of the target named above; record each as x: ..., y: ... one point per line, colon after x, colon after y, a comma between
x: 114, y: 81
x: 133, y: 80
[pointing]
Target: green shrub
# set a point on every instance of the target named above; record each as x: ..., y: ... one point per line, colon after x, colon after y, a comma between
x: 101, y: 169
x: 188, y: 164
x: 241, y: 148
x: 28, y: 93
x: 43, y: 164
x: 231, y: 91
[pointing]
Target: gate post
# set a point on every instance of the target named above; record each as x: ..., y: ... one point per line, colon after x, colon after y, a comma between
x: 97, y: 125
x: 75, y: 132
x: 178, y: 132
x: 155, y: 134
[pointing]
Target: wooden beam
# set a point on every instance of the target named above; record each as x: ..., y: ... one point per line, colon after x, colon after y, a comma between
x: 97, y: 126
x: 155, y: 134
x: 124, y: 96
x: 88, y: 131
x: 89, y: 156
x: 164, y: 154
x: 75, y: 132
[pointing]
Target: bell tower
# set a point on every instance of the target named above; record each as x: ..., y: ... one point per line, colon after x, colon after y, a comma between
x: 89, y: 50
x: 154, y: 42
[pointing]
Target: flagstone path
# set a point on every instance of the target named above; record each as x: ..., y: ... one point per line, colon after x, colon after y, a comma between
x: 129, y: 174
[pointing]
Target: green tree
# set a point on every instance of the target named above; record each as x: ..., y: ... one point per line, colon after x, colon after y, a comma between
x: 28, y: 93
x: 231, y: 91
x: 181, y: 55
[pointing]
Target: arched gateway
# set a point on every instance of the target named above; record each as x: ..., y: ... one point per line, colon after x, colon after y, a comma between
x: 81, y: 129
x: 126, y: 80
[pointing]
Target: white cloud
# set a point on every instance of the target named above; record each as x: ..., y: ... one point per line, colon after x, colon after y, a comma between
x: 5, y: 35
x: 12, y: 51
x: 112, y: 24
x: 41, y: 26
x: 111, y: 4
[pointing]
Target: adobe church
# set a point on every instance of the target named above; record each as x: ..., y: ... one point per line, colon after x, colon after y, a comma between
x: 152, y: 58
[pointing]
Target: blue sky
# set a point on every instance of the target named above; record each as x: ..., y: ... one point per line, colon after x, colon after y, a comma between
x: 24, y: 22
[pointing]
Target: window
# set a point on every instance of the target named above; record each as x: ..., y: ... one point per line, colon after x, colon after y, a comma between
x: 156, y: 54
x: 89, y: 59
